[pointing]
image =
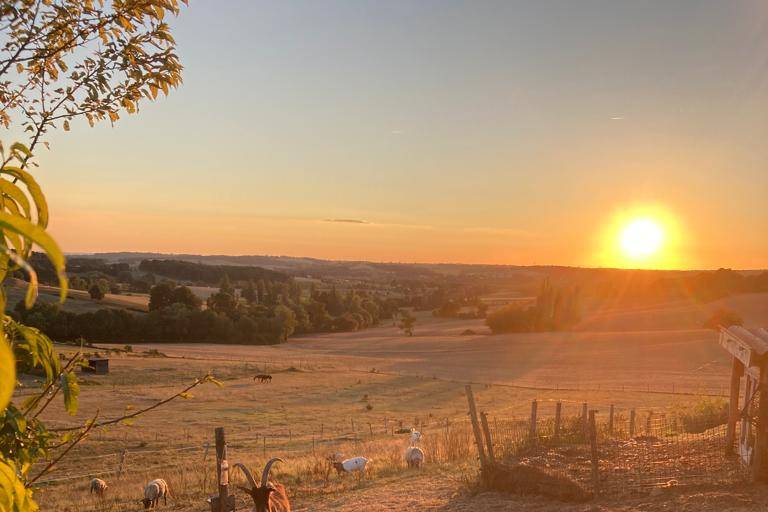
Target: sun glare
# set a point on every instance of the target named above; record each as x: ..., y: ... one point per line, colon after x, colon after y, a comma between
x: 641, y: 236
x: 641, y: 239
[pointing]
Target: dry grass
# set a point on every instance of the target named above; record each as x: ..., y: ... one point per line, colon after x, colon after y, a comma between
x: 322, y: 383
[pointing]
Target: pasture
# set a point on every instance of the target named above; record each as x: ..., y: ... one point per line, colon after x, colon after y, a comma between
x: 348, y: 391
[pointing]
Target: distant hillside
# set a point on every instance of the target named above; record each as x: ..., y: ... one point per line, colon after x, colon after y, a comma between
x: 208, y: 274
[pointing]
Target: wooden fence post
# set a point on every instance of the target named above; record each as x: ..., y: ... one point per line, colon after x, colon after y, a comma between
x: 476, y: 426
x: 223, y: 502
x: 558, y: 418
x: 123, y: 453
x: 594, y: 452
x: 632, y: 423
x: 532, y: 431
x: 585, y: 419
x: 761, y: 436
x: 610, y: 420
x: 488, y: 439
x: 648, y: 423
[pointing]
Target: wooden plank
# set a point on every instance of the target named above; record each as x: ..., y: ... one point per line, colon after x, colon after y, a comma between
x: 476, y: 426
x: 736, y: 347
x: 737, y: 370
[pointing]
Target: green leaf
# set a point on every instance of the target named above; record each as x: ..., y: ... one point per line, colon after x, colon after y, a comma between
x: 71, y: 389
x: 38, y: 235
x: 15, y: 193
x: 14, y: 496
x: 40, y: 349
x: 7, y: 371
x: 34, y: 190
x: 21, y: 148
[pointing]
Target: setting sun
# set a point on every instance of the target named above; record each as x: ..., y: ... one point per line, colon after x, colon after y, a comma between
x: 641, y: 238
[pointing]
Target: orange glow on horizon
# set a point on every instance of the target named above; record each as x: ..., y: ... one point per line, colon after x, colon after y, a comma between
x: 644, y: 237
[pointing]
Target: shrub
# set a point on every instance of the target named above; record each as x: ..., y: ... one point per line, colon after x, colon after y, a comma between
x: 510, y: 319
x: 704, y: 414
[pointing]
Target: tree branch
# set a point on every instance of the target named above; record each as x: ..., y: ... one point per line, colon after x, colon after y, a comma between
x: 207, y: 378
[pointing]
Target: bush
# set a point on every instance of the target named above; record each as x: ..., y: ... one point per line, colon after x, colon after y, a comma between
x: 510, y: 319
x: 703, y: 415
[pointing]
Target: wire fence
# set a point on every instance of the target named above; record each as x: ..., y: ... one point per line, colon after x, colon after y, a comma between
x: 628, y: 452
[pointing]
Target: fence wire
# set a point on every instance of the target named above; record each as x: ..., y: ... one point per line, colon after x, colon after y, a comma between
x: 656, y: 452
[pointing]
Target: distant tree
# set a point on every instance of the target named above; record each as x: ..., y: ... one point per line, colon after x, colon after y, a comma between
x: 226, y: 286
x: 287, y: 321
x: 250, y: 293
x: 161, y: 296
x: 407, y: 321
x: 261, y: 291
x: 185, y: 296
x: 96, y: 292
x: 223, y: 303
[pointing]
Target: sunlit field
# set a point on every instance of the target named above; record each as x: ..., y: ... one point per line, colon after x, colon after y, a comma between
x: 348, y: 392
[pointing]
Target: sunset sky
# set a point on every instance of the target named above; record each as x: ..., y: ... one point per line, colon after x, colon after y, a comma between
x: 495, y: 132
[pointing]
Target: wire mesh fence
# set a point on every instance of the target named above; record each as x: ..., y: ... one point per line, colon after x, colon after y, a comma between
x: 627, y: 451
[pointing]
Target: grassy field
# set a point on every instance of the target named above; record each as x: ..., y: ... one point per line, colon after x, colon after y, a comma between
x: 79, y: 301
x: 345, y: 392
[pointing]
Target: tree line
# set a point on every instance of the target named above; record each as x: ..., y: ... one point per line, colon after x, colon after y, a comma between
x: 261, y: 312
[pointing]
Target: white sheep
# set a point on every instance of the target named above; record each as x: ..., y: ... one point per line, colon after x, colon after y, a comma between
x: 414, y: 457
x: 353, y: 465
x: 155, y: 490
x: 99, y: 487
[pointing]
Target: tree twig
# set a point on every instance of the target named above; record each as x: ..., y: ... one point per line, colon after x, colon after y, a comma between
x: 74, y: 443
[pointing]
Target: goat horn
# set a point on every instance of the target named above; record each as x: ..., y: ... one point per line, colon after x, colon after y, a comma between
x: 267, y: 468
x: 248, y: 475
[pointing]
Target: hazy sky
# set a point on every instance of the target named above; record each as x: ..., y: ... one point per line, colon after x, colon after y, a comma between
x: 500, y: 132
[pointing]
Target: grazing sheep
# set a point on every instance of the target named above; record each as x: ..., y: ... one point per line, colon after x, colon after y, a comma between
x: 414, y: 457
x: 355, y: 464
x: 415, y: 436
x: 263, y: 377
x: 99, y: 487
x: 155, y: 490
x: 267, y: 496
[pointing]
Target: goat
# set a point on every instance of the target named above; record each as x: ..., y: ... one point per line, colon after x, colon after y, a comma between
x: 263, y: 377
x: 414, y: 457
x: 156, y: 489
x: 99, y: 487
x: 267, y: 496
x: 355, y: 464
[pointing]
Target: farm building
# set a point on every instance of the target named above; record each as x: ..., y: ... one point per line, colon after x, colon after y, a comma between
x: 97, y: 365
x: 747, y: 411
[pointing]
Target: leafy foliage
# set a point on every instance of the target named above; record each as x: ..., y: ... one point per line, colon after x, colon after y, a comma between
x: 59, y: 60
